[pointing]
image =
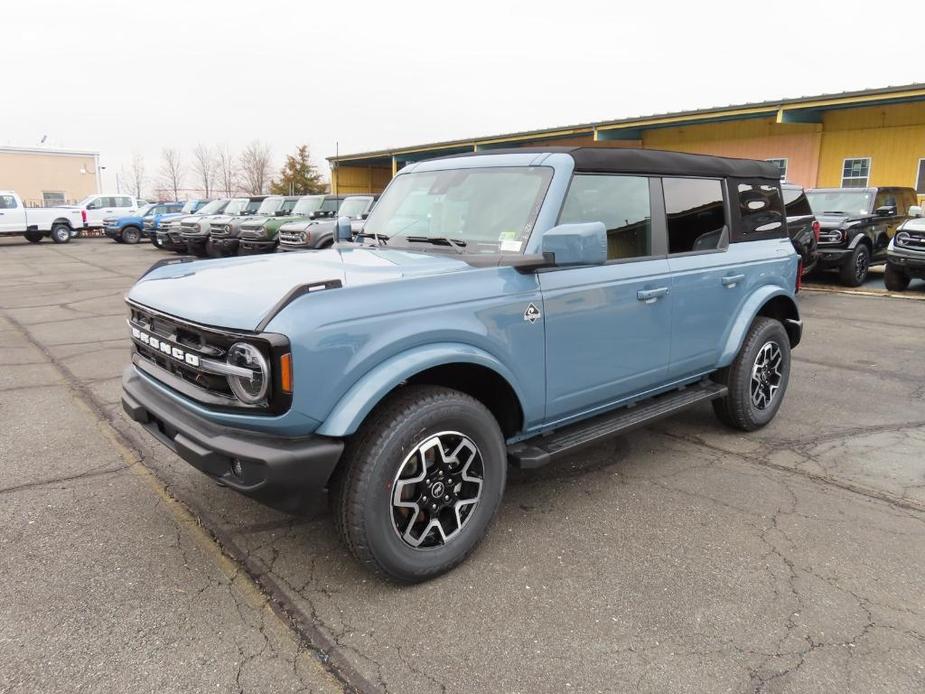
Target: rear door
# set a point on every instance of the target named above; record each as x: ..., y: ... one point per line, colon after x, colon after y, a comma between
x: 608, y: 326
x: 12, y: 214
x: 708, y: 280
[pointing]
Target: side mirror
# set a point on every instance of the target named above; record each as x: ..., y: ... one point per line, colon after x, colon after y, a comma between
x: 364, y: 215
x: 577, y: 244
x: 915, y: 211
x: 886, y: 211
x: 343, y: 230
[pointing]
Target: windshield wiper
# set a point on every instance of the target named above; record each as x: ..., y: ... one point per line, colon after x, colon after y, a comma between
x: 369, y: 235
x: 438, y: 241
x: 832, y: 212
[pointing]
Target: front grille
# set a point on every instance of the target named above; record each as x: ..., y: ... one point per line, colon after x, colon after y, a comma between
x: 915, y: 242
x: 296, y: 238
x: 220, y: 230
x: 180, y: 349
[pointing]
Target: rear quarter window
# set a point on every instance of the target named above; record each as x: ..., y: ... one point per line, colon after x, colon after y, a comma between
x: 760, y: 211
x: 795, y: 203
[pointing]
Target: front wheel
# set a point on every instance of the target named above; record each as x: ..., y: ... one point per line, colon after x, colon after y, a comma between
x: 895, y: 279
x: 421, y: 483
x: 155, y: 241
x: 33, y: 236
x: 854, y: 271
x: 757, y: 379
x: 131, y: 235
x: 60, y: 233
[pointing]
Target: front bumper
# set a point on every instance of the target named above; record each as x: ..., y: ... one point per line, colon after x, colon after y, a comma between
x: 289, y: 474
x: 254, y: 246
x: 113, y: 232
x: 171, y: 240
x: 832, y: 257
x: 226, y: 244
x: 912, y: 263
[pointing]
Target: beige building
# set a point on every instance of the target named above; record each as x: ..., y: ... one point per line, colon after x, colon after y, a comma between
x: 47, y: 176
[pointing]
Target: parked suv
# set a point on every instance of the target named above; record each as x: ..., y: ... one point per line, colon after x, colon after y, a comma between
x: 905, y: 256
x: 170, y: 234
x: 319, y: 233
x: 856, y: 226
x: 509, y: 306
x: 225, y: 237
x: 153, y: 224
x: 128, y: 229
x: 802, y: 226
x: 262, y: 236
x: 197, y: 235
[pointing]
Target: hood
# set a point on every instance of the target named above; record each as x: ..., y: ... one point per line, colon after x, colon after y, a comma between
x: 301, y: 224
x: 256, y: 221
x: 237, y: 293
x: 837, y: 221
x: 169, y: 217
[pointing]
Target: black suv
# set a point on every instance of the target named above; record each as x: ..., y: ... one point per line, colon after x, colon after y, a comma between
x: 802, y: 226
x: 856, y: 225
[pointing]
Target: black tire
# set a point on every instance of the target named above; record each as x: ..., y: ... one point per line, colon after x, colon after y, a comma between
x: 60, y: 233
x: 131, y: 235
x: 34, y: 236
x: 854, y: 271
x: 362, y: 491
x: 895, y: 279
x: 739, y: 409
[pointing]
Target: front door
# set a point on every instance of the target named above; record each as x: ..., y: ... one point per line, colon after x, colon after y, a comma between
x: 12, y: 214
x: 608, y: 326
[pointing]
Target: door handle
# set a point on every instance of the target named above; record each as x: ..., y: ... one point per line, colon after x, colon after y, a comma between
x: 650, y: 296
x: 732, y: 280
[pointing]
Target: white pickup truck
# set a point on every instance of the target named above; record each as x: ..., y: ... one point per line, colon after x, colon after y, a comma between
x: 60, y: 223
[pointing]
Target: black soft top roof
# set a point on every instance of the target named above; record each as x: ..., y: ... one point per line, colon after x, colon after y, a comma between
x: 653, y: 161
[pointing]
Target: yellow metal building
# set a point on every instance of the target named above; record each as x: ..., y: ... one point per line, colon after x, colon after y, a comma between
x: 48, y: 176
x: 872, y: 137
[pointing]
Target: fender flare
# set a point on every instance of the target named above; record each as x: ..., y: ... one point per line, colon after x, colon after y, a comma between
x: 746, y: 316
x: 369, y: 390
x: 860, y: 237
x: 62, y: 220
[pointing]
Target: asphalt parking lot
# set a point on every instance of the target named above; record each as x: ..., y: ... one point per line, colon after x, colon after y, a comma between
x: 682, y: 558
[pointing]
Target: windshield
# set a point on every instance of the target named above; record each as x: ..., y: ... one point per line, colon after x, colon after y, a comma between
x: 843, y: 201
x: 252, y: 206
x: 353, y: 207
x: 189, y: 206
x: 211, y: 207
x: 236, y: 206
x: 86, y: 201
x: 308, y: 204
x: 269, y: 206
x: 487, y: 209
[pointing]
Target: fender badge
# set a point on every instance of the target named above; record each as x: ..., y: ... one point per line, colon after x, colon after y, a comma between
x: 532, y: 313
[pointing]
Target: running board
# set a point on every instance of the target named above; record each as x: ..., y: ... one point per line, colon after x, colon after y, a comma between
x: 539, y: 450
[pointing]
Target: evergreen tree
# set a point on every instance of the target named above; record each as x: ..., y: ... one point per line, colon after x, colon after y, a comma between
x: 299, y: 176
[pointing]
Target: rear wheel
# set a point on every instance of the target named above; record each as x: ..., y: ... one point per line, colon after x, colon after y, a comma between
x: 33, y: 236
x: 421, y: 483
x: 854, y: 271
x: 895, y: 279
x: 60, y: 233
x: 131, y: 235
x: 757, y: 379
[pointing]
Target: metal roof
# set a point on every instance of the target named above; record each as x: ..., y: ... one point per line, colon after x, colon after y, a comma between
x: 39, y: 149
x: 786, y: 110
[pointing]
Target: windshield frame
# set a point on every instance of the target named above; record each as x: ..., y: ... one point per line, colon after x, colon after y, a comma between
x: 368, y: 199
x: 191, y: 204
x: 276, y: 200
x: 204, y: 210
x: 512, y: 241
x: 297, y: 212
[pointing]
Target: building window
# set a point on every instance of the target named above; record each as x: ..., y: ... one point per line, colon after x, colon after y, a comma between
x: 781, y: 165
x: 855, y: 173
x: 50, y: 198
x: 920, y: 179
x: 696, y: 214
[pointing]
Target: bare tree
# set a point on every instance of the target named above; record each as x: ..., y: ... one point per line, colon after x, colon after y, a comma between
x: 172, y: 170
x: 227, y: 170
x: 255, y: 167
x: 205, y: 167
x: 136, y: 174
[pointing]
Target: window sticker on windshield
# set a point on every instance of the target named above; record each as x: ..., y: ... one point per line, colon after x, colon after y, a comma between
x: 511, y: 245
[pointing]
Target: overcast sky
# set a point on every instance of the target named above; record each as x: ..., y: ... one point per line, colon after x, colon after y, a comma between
x: 124, y: 76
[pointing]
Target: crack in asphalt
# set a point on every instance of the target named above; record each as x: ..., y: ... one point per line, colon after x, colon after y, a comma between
x: 89, y: 474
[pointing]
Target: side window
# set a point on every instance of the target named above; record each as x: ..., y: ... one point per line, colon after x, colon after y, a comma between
x: 696, y: 214
x: 7, y: 202
x: 760, y: 209
x: 96, y: 204
x: 795, y: 203
x: 108, y: 202
x: 621, y: 203
x: 123, y: 202
x: 886, y: 198
x: 160, y: 209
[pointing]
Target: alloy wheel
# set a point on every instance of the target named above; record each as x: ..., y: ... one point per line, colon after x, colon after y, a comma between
x: 766, y: 375
x: 436, y: 490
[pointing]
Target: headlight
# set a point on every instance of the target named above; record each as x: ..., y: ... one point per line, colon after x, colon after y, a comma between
x: 902, y: 238
x: 253, y: 389
x: 197, y: 227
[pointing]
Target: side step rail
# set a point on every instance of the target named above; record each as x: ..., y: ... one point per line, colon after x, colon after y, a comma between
x: 541, y: 449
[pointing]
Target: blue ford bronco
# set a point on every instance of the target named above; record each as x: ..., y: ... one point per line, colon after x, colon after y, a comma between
x: 497, y: 308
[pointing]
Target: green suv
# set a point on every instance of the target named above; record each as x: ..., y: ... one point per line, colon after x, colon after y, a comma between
x: 260, y: 235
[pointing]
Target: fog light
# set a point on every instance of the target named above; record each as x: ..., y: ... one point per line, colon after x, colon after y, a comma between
x: 237, y: 467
